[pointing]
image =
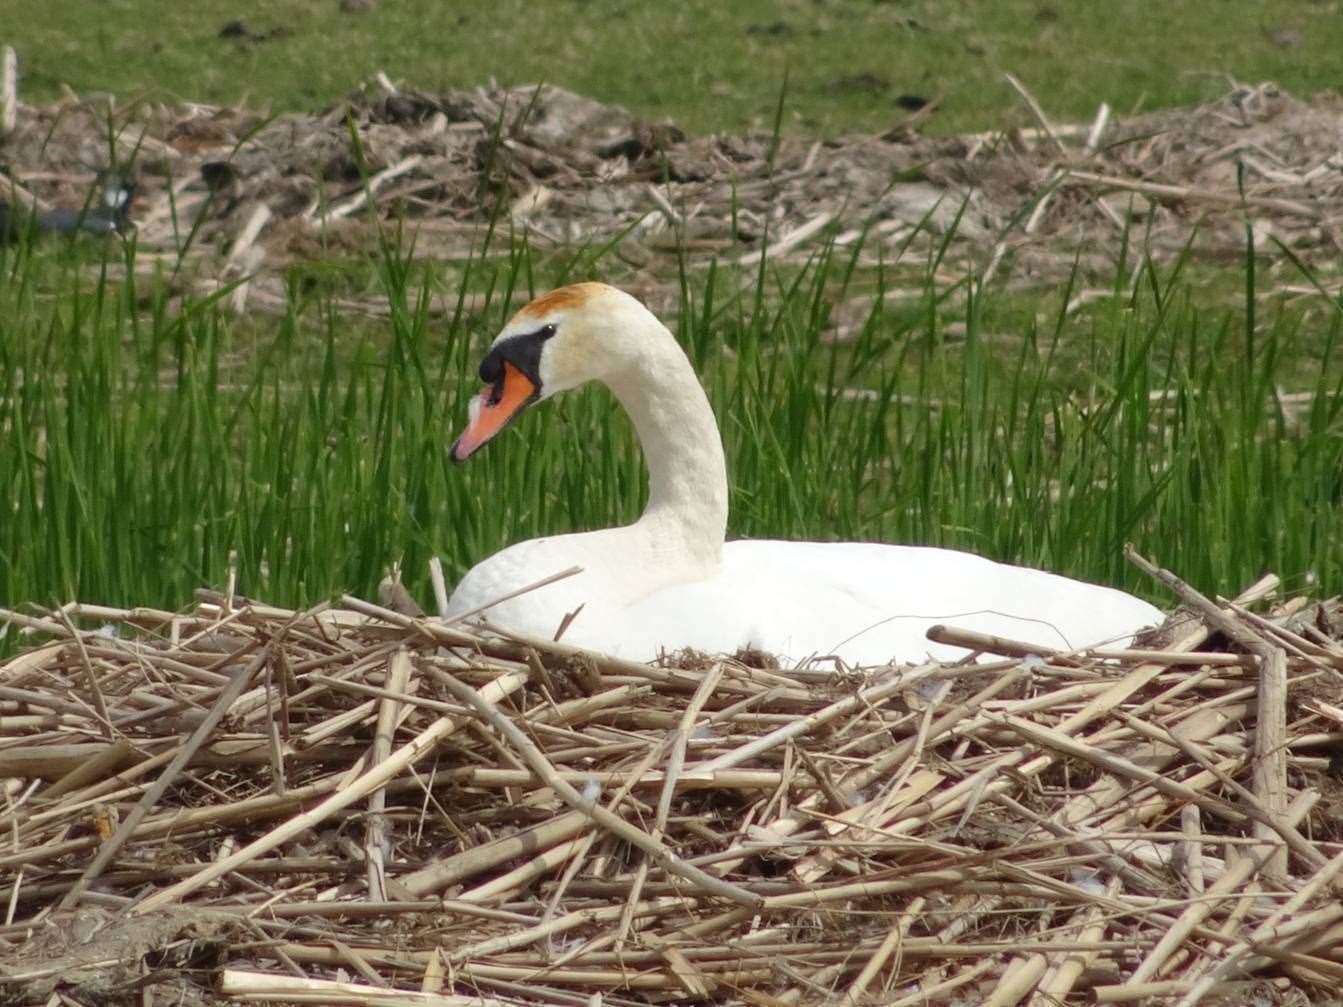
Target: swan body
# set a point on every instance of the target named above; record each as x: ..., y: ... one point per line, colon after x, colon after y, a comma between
x: 670, y: 581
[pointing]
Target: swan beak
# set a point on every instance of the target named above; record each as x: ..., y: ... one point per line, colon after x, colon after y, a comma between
x: 493, y: 409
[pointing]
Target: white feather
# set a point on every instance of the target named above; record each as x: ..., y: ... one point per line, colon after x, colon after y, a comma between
x: 669, y: 581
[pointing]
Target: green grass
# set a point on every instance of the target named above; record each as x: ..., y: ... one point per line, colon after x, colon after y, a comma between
x: 710, y: 66
x: 141, y: 441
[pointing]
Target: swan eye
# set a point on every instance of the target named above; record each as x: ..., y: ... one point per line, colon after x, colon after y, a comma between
x: 546, y: 331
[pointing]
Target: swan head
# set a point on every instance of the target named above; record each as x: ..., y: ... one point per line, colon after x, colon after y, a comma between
x: 563, y: 339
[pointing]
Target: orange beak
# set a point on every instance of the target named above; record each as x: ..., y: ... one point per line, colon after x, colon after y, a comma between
x: 492, y: 410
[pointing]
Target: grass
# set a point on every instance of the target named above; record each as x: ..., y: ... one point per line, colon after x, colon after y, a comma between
x: 141, y: 442
x: 709, y: 66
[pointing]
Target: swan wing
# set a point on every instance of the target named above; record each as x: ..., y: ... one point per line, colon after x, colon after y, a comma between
x: 871, y: 603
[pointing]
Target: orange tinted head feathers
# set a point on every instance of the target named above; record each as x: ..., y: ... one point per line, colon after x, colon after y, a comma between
x: 575, y: 295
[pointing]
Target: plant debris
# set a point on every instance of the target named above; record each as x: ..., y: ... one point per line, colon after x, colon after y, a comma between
x: 356, y: 805
x: 243, y: 194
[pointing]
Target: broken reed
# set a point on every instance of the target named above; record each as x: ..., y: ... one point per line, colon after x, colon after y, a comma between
x: 1111, y: 825
x: 148, y: 434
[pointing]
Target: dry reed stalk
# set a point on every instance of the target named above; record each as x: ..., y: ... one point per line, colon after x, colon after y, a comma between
x: 636, y: 837
x: 151, y: 796
x: 192, y: 820
x: 1149, y: 991
x: 1198, y: 911
x: 559, y: 925
x: 871, y: 695
x: 1066, y: 968
x: 1270, y: 766
x: 1216, y: 938
x: 881, y: 836
x: 862, y: 778
x: 926, y: 994
x: 1193, y: 848
x: 368, y: 782
x: 375, y: 840
x: 1269, y: 820
x: 1271, y: 757
x: 1192, y: 194
x: 1018, y: 979
x: 9, y: 91
x: 476, y: 860
x: 1273, y: 931
x: 898, y: 932
x: 432, y: 980
x: 257, y: 987
x: 496, y: 889
x: 675, y: 762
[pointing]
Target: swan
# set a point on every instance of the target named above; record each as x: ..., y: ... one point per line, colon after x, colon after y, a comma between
x: 670, y: 581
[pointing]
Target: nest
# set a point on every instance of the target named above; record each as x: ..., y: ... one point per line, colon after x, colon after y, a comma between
x: 242, y: 195
x: 355, y: 805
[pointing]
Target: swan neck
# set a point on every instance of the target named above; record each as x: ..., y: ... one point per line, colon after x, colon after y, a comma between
x: 687, y: 475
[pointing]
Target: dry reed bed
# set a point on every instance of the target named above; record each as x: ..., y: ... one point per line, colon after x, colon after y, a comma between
x: 245, y: 195
x: 353, y: 805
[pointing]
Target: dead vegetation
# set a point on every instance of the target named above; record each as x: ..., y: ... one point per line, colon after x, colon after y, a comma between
x: 353, y: 805
x: 241, y: 194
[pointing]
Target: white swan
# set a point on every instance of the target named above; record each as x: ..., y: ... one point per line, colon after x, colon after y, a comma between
x: 669, y: 580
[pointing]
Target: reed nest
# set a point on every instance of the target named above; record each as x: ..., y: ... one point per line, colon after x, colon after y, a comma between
x: 233, y: 196
x: 356, y: 805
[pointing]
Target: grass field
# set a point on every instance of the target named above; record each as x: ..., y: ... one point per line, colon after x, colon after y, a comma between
x: 709, y: 66
x: 142, y: 445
